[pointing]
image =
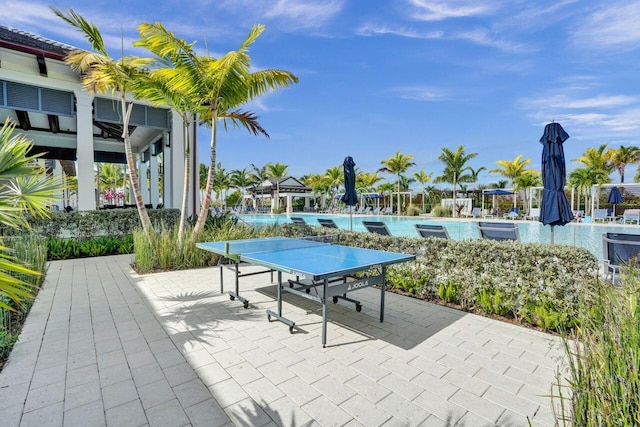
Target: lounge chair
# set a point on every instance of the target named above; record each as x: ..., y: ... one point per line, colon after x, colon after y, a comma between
x: 377, y: 227
x: 298, y: 220
x: 534, y: 213
x: 327, y: 223
x: 578, y: 215
x: 619, y: 249
x: 514, y: 213
x: 432, y: 231
x: 631, y: 215
x: 377, y: 211
x: 599, y: 215
x: 499, y: 230
x: 475, y: 212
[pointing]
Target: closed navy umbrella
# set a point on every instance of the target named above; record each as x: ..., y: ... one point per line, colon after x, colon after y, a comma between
x: 350, y: 196
x: 555, y: 209
x: 614, y: 198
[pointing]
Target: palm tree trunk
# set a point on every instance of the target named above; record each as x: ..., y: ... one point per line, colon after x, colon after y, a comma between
x: 398, y: 194
x: 185, y: 189
x: 147, y: 227
x: 204, y: 207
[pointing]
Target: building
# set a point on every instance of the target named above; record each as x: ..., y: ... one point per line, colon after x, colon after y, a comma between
x: 76, y: 130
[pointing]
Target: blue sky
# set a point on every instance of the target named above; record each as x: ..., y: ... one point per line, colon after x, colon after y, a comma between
x: 377, y: 77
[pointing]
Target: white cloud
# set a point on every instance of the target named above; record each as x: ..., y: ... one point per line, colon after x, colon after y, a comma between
x: 563, y: 101
x: 372, y: 29
x: 438, y: 10
x: 615, y: 25
x: 420, y: 93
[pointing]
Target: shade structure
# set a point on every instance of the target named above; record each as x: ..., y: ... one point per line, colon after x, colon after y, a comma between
x: 498, y: 192
x: 615, y: 198
x: 555, y: 209
x: 350, y: 196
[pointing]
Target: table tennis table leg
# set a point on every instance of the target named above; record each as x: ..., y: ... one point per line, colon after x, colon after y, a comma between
x: 236, y: 294
x: 324, y: 312
x: 278, y: 315
x: 382, y: 292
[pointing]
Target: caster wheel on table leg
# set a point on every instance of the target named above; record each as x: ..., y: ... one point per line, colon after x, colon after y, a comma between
x: 335, y: 300
x: 246, y: 304
x: 358, y: 308
x: 232, y: 298
x: 307, y: 290
x: 291, y: 329
x: 269, y: 317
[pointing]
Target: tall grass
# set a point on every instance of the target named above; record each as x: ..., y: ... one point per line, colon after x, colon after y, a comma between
x: 161, y: 251
x: 603, y: 383
x: 29, y: 250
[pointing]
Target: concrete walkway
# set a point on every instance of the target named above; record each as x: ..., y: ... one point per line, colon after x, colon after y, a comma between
x: 105, y: 346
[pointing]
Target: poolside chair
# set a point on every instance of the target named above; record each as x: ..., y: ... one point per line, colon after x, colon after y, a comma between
x: 534, y: 213
x: 327, y: 223
x: 475, y: 212
x: 619, y: 249
x: 499, y: 230
x: 377, y: 211
x: 514, y: 213
x: 631, y: 215
x: 298, y: 220
x: 599, y: 215
x: 377, y: 227
x: 432, y: 231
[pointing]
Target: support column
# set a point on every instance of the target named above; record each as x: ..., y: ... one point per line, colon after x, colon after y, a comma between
x: 142, y: 177
x: 154, y: 188
x: 289, y: 204
x: 84, y: 152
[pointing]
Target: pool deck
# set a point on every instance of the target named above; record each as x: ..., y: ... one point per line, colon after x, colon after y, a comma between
x: 106, y: 346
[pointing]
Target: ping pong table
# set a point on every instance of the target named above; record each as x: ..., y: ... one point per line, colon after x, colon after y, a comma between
x: 315, y: 265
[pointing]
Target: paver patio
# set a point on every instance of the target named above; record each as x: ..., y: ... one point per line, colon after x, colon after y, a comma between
x: 106, y: 346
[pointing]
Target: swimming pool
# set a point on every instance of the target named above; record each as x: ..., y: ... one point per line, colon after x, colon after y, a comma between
x: 586, y: 235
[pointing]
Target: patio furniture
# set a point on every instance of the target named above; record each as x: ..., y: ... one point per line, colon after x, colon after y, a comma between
x: 499, y: 231
x: 426, y: 230
x: 327, y: 223
x: 298, y: 220
x: 599, y: 215
x: 631, y: 215
x: 377, y: 227
x: 619, y: 249
x: 534, y: 214
x: 514, y: 213
x: 475, y: 212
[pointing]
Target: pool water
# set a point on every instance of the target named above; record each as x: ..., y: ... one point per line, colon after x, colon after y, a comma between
x: 585, y: 235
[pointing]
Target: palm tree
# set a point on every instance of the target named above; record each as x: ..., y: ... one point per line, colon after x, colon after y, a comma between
x: 221, y: 182
x: 318, y: 185
x: 597, y: 158
x: 334, y: 178
x: 397, y: 165
x: 110, y: 177
x: 25, y: 188
x: 277, y: 171
x: 526, y: 181
x: 172, y: 84
x: 386, y: 188
x: 258, y: 176
x: 454, y: 168
x: 368, y: 180
x: 240, y: 179
x: 422, y: 177
x: 512, y: 169
x: 624, y: 156
x: 584, y: 178
x: 100, y: 74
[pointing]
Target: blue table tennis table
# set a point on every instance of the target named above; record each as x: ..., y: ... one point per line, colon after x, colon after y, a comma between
x: 315, y: 264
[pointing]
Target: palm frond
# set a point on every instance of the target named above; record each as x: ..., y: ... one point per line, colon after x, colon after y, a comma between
x: 91, y: 32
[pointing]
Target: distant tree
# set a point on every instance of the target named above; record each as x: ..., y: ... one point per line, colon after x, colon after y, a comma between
x: 624, y: 156
x: 368, y: 181
x: 584, y: 178
x: 525, y: 182
x: 422, y: 177
x: 398, y: 165
x: 597, y: 158
x: 277, y: 171
x: 513, y: 169
x: 240, y: 179
x: 334, y: 178
x: 454, y: 168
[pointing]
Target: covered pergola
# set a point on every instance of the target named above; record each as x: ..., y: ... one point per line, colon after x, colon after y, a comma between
x: 273, y: 189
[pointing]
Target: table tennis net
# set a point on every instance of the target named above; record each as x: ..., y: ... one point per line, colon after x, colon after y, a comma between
x: 274, y: 245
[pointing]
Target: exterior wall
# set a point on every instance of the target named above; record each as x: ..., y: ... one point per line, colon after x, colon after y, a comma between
x: 22, y: 67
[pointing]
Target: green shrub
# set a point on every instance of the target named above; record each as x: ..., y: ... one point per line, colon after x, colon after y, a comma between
x: 449, y: 292
x: 59, y: 248
x: 441, y: 211
x: 413, y: 211
x: 493, y: 302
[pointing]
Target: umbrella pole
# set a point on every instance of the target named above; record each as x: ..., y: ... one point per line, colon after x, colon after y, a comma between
x: 552, y: 233
x: 351, y: 217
